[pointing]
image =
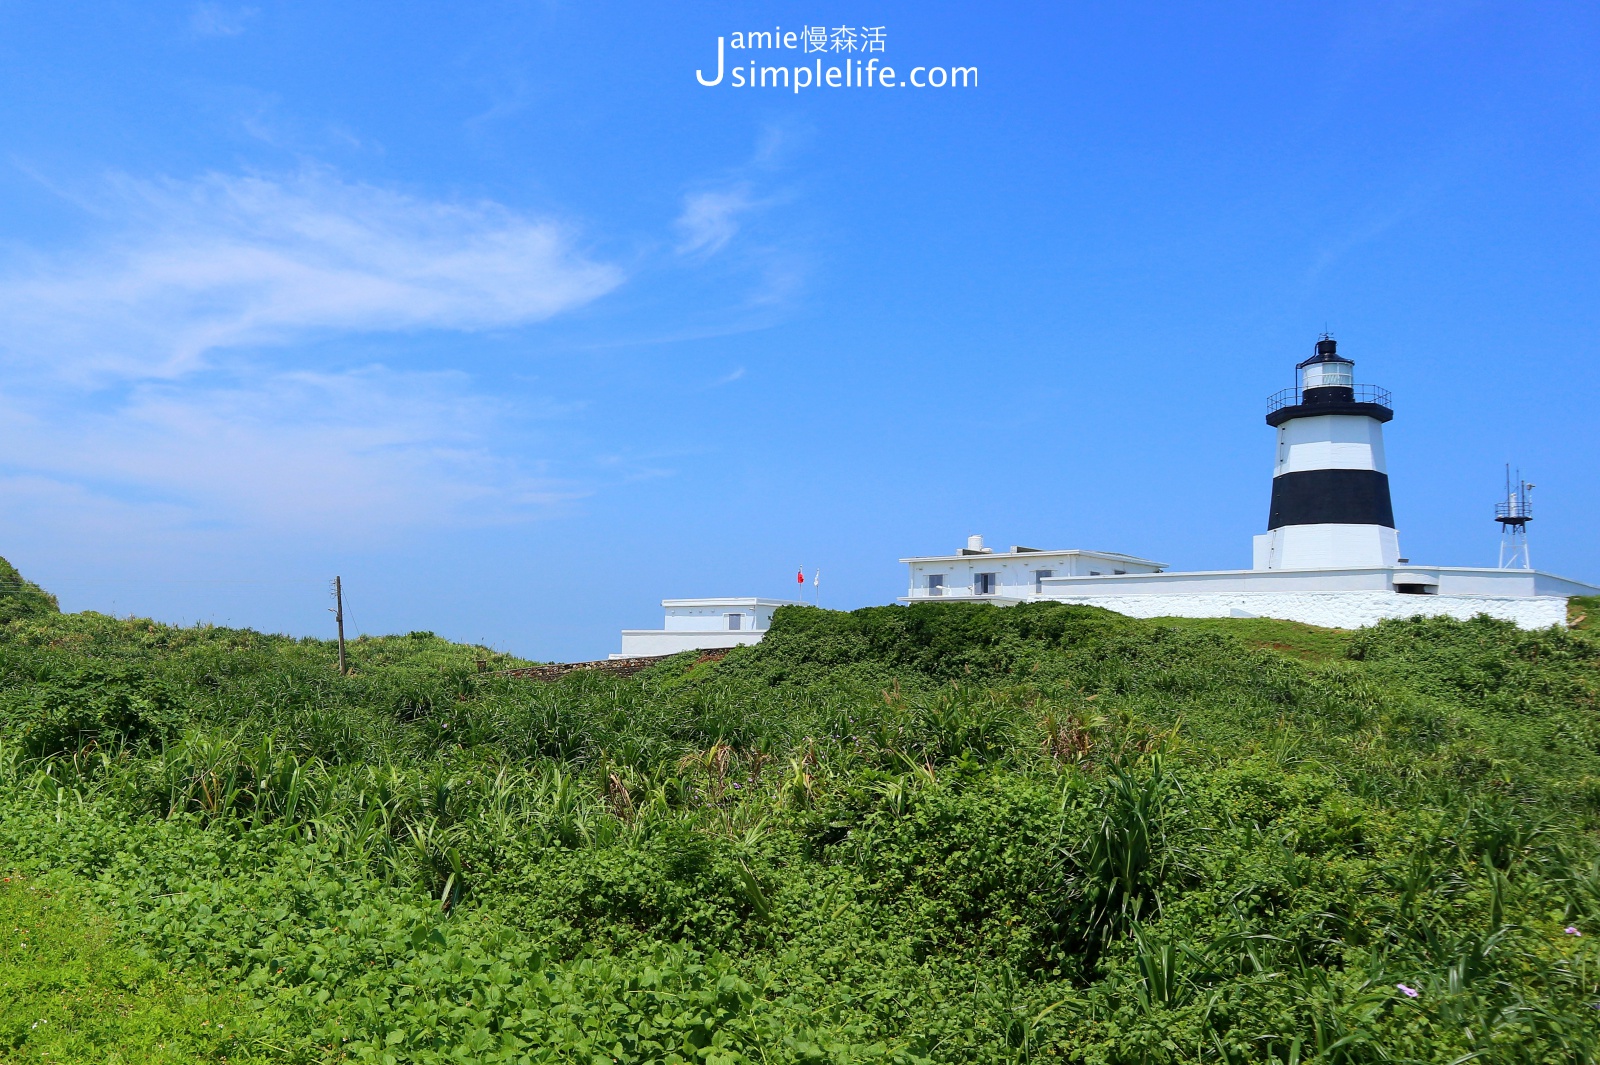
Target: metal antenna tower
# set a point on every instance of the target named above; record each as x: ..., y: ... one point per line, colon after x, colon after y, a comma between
x: 1513, y: 516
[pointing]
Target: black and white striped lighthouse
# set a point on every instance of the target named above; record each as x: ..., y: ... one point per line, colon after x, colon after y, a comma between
x: 1330, y: 486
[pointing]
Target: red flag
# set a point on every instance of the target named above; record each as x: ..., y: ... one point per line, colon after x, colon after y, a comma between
x: 800, y: 576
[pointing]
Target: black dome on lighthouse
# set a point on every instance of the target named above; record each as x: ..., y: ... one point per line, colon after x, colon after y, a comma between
x: 1327, y: 350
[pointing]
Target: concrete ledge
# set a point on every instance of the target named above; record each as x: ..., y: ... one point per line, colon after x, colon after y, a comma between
x: 1450, y: 581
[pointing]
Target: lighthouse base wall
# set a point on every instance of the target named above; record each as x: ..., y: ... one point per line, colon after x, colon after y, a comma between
x: 1335, y: 610
x: 1337, y: 598
x: 1326, y: 547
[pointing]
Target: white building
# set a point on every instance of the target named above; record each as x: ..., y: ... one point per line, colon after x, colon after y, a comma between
x: 1012, y: 576
x: 1341, y: 598
x: 1330, y: 555
x: 702, y: 624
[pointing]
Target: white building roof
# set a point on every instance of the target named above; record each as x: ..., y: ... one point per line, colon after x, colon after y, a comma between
x: 1032, y: 552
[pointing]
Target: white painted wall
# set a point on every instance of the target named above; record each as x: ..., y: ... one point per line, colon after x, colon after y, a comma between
x: 646, y: 643
x: 1326, y: 547
x: 1450, y: 580
x: 1339, y: 598
x: 1015, y: 571
x: 1330, y: 442
x: 1327, y: 442
x: 1338, y: 610
x: 701, y: 624
x: 711, y: 615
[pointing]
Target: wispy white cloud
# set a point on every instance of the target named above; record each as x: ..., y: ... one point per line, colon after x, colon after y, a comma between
x: 710, y: 219
x: 726, y: 224
x: 191, y: 268
x: 155, y: 368
x: 219, y: 20
x: 365, y: 452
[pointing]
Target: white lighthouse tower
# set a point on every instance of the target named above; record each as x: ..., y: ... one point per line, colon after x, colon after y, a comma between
x: 1330, y: 486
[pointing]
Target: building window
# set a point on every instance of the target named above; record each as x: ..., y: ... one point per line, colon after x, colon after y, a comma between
x: 983, y: 583
x: 735, y: 621
x: 1118, y: 572
x: 935, y: 584
x: 1094, y: 573
x: 1038, y: 579
x: 1417, y: 589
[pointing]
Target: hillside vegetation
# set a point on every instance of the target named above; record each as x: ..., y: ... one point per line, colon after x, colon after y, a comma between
x: 945, y: 833
x: 21, y: 598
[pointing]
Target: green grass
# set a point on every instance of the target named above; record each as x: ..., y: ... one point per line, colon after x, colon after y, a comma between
x: 944, y: 833
x: 1310, y: 642
x: 69, y: 992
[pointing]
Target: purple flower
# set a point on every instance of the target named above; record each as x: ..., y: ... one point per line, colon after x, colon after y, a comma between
x: 1573, y: 931
x: 1410, y: 992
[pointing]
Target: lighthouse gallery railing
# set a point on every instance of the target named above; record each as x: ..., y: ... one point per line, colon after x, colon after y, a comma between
x: 1291, y: 397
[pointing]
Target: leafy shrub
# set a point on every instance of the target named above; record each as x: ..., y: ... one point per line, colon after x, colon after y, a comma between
x: 87, y: 706
x: 940, y: 833
x: 676, y: 884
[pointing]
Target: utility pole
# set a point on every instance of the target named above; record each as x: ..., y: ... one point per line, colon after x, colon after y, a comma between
x: 338, y: 615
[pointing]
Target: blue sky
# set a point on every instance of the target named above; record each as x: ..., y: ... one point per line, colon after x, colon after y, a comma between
x: 499, y: 314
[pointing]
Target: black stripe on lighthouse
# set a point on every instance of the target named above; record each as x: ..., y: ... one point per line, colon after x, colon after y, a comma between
x: 1331, y: 497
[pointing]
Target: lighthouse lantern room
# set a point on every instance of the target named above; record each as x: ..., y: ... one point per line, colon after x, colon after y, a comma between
x: 1330, y: 484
